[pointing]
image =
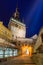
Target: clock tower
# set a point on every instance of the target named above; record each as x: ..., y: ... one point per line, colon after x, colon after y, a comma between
x: 17, y: 28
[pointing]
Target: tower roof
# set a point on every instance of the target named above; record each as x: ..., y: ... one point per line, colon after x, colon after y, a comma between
x: 16, y: 14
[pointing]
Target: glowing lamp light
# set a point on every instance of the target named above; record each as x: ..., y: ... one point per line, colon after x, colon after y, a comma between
x: 27, y: 51
x: 30, y: 51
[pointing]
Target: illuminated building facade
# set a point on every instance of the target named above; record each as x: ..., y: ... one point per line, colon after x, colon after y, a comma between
x: 7, y: 49
x: 5, y: 32
x: 17, y: 28
x: 39, y: 43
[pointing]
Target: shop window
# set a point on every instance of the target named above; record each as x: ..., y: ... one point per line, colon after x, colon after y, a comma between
x: 15, y: 52
x: 1, y: 53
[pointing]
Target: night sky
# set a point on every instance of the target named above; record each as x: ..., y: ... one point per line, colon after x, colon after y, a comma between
x: 30, y: 10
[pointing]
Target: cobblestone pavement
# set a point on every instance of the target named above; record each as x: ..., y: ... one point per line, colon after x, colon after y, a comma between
x: 21, y: 60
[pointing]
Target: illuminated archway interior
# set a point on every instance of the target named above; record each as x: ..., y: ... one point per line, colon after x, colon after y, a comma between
x: 27, y: 50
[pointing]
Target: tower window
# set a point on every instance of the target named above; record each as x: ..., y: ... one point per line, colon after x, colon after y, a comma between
x: 16, y: 25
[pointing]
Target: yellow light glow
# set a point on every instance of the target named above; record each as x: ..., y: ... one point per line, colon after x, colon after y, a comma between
x: 30, y: 51
x: 27, y: 50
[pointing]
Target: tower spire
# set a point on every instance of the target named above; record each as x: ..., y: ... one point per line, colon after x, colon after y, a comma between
x: 16, y: 14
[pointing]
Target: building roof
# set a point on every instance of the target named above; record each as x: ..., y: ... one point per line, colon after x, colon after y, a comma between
x: 16, y: 21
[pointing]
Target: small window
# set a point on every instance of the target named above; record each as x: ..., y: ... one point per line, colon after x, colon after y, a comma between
x: 16, y: 25
x: 19, y: 44
x: 42, y: 37
x: 12, y: 35
x: 25, y: 44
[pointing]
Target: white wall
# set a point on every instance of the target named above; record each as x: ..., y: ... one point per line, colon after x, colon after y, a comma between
x: 18, y: 32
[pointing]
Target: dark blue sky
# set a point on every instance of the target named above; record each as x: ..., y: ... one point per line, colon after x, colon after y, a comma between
x: 30, y: 10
